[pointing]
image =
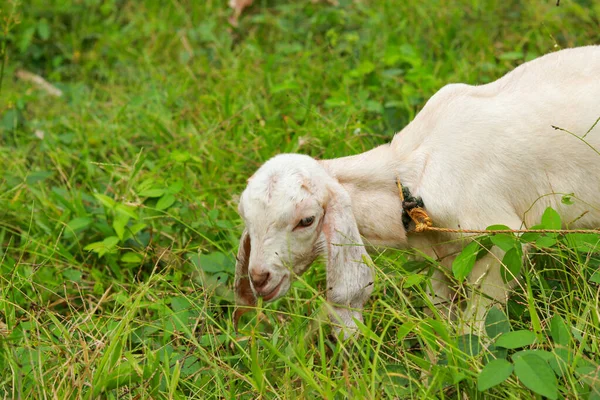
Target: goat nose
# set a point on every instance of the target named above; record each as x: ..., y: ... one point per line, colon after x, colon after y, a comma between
x: 260, y: 278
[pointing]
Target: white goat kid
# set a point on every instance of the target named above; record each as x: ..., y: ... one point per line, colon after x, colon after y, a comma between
x: 476, y: 155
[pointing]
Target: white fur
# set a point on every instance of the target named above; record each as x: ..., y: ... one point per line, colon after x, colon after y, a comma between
x: 477, y: 155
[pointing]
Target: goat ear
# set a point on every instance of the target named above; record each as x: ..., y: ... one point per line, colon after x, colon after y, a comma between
x: 244, y: 297
x: 349, y: 275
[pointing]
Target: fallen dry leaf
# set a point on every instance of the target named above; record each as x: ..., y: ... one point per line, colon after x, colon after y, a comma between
x: 238, y: 6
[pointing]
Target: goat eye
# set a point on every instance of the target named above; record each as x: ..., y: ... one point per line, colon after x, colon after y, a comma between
x: 304, y: 222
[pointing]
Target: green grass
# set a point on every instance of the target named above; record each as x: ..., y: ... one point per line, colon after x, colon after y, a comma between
x: 118, y: 221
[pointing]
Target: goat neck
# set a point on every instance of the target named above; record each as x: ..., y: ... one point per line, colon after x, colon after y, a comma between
x: 370, y: 180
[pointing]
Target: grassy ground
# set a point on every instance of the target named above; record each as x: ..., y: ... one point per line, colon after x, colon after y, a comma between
x: 118, y: 220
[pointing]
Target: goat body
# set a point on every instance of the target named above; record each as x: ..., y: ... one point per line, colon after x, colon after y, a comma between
x: 499, y: 153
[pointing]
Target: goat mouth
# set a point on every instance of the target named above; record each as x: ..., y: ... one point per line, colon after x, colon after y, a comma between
x: 273, y: 293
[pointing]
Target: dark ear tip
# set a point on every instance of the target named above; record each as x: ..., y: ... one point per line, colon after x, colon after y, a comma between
x: 237, y: 314
x: 236, y: 318
x: 243, y: 294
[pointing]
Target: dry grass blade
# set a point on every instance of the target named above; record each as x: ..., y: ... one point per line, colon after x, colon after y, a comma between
x: 39, y: 82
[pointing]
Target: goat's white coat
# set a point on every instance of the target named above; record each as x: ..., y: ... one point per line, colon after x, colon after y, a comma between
x: 477, y: 155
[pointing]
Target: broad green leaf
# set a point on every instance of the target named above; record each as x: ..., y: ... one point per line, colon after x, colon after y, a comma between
x: 106, y: 201
x: 180, y: 303
x: 119, y: 224
x: 496, y: 323
x: 175, y: 187
x: 79, y: 223
x: 127, y: 210
x: 548, y: 240
x: 551, y: 219
x: 180, y: 156
x: 504, y: 241
x: 106, y: 246
x: 214, y: 280
x: 464, y: 262
x: 391, y: 56
x: 154, y: 192
x: 43, y: 29
x: 512, y: 262
x: 485, y: 244
x: 590, y: 375
x: 497, y: 228
x: 25, y: 39
x: 495, y: 352
x: 132, y: 258
x: 111, y: 241
x: 165, y: 202
x: 72, y: 274
x: 374, y: 106
x: 213, y: 214
x: 531, y: 237
x: 397, y: 373
x: 191, y: 365
x: 413, y: 279
x: 336, y: 101
x: 536, y: 374
x: 212, y: 262
x: 559, y: 331
x: 136, y: 228
x: 494, y: 373
x: 516, y: 339
x: 405, y: 329
x: 561, y: 361
x: 583, y: 242
x: 595, y: 278
x: 567, y: 199
x: 287, y: 85
x: 366, y: 67
x: 543, y: 354
x: 414, y: 265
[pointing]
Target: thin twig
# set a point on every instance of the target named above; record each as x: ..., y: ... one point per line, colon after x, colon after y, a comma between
x: 578, y: 137
x: 593, y: 126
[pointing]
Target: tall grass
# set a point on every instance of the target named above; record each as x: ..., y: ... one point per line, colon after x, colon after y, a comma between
x: 118, y: 218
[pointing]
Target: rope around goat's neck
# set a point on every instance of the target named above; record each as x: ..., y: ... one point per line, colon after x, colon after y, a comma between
x: 423, y: 222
